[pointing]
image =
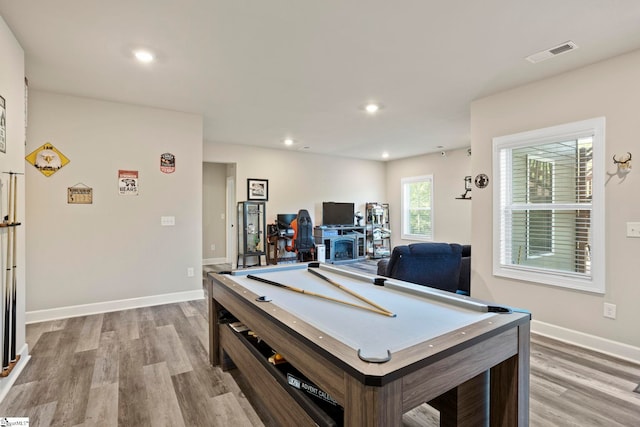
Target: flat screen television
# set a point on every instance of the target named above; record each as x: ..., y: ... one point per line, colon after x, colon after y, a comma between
x: 334, y: 213
x: 284, y: 220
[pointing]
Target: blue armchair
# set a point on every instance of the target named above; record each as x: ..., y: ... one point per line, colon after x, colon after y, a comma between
x: 445, y: 266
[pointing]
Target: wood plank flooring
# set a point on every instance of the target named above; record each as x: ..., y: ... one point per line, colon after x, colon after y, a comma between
x: 141, y: 367
x: 149, y: 367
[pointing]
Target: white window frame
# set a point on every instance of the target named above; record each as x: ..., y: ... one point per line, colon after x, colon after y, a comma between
x: 595, y: 282
x: 404, y: 220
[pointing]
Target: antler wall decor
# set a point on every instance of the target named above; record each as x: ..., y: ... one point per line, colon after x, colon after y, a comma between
x: 624, y: 164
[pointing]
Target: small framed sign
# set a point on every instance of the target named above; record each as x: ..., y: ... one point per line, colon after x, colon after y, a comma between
x: 3, y: 125
x: 79, y: 194
x: 167, y: 163
x: 128, y: 182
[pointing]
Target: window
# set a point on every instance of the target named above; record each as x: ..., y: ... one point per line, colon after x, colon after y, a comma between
x: 417, y: 208
x: 539, y: 190
x: 549, y: 205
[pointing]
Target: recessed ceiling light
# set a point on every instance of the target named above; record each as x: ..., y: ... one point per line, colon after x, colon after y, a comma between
x: 288, y: 142
x: 372, y: 108
x: 143, y: 56
x: 385, y: 155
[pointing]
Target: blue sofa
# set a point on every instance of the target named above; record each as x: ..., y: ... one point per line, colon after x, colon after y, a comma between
x: 445, y: 266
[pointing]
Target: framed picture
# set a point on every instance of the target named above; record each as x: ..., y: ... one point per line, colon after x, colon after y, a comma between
x: 257, y: 189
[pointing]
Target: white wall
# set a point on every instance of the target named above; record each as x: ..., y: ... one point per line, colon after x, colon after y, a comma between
x: 12, y: 90
x: 611, y: 89
x: 114, y: 249
x: 452, y: 218
x: 302, y: 180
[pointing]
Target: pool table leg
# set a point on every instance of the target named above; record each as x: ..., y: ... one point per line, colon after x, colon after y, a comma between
x: 510, y: 386
x: 466, y: 404
x: 367, y: 406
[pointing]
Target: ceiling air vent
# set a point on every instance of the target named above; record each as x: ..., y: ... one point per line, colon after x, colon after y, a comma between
x: 554, y: 51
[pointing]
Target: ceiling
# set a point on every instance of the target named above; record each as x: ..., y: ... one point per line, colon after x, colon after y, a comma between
x: 259, y: 71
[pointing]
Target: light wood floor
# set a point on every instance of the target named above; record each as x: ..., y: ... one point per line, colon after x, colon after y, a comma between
x: 141, y: 367
x: 149, y: 367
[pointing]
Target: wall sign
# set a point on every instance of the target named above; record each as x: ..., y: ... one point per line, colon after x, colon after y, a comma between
x: 167, y: 163
x: 80, y: 194
x: 128, y: 183
x: 47, y: 159
x: 3, y: 125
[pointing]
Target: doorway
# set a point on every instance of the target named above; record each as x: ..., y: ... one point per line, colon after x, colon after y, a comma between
x: 218, y: 213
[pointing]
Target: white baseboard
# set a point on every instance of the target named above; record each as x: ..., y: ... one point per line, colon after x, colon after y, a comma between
x: 107, y: 306
x: 592, y: 342
x: 209, y: 261
x: 7, y: 382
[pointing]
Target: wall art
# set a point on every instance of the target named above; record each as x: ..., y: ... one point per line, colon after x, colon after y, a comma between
x: 128, y: 183
x: 47, y: 159
x: 3, y: 125
x: 167, y: 163
x: 257, y: 189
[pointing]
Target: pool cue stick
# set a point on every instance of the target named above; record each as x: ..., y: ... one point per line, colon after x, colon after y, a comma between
x: 14, y: 275
x: 313, y: 294
x: 7, y: 300
x: 347, y: 290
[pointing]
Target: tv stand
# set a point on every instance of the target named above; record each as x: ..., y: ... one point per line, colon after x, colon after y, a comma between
x: 343, y: 243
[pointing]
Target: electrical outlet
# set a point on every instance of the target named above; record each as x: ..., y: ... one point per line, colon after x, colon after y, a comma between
x: 213, y: 247
x: 190, y: 272
x: 609, y: 310
x: 167, y: 221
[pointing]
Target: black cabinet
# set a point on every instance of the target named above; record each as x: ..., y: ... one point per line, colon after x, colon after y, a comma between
x: 251, y: 233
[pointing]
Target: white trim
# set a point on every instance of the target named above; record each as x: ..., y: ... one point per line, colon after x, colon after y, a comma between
x: 7, y: 382
x: 591, y: 342
x: 209, y: 261
x: 230, y: 231
x: 107, y: 306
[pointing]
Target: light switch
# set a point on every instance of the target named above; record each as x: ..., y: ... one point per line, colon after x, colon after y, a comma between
x: 167, y: 220
x: 633, y: 229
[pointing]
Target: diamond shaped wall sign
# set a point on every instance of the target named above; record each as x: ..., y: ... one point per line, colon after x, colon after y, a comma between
x: 47, y: 159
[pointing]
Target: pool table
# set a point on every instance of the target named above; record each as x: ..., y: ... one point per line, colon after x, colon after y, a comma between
x: 379, y: 347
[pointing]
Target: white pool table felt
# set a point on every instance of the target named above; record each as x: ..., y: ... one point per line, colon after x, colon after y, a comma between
x: 418, y: 318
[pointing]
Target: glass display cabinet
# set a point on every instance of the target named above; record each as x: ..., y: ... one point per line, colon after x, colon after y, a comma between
x: 378, y: 231
x: 251, y: 233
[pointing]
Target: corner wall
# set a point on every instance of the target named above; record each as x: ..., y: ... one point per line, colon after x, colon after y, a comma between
x: 612, y: 89
x: 113, y: 253
x: 12, y: 90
